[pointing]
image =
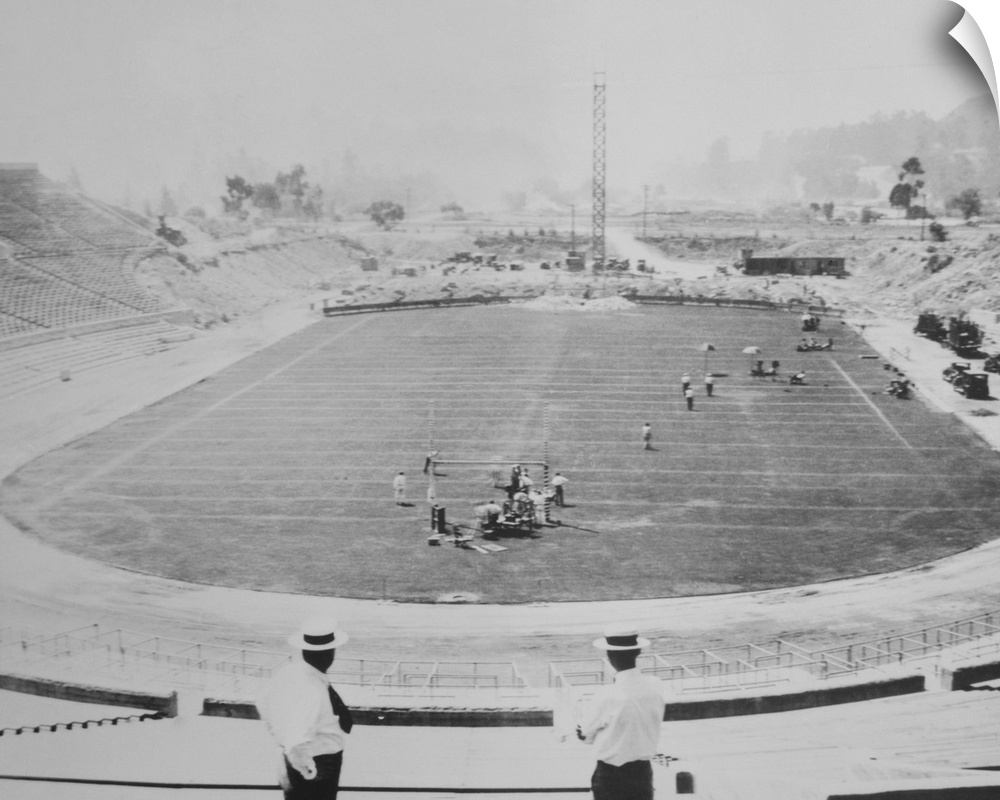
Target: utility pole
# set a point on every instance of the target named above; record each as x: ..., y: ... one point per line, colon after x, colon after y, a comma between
x: 645, y: 194
x: 597, y: 215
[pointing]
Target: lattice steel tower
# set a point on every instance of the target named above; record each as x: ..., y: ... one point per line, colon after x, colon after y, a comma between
x: 599, y: 163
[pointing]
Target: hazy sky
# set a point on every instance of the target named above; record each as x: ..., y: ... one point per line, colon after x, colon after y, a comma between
x: 137, y: 93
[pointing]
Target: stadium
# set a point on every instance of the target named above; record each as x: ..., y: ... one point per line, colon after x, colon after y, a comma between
x: 813, y: 563
x: 508, y: 400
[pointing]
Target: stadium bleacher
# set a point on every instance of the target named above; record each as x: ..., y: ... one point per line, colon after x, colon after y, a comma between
x: 104, y: 273
x: 26, y: 367
x: 65, y: 260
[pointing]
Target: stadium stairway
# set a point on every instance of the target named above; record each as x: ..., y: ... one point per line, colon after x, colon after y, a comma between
x: 28, y: 366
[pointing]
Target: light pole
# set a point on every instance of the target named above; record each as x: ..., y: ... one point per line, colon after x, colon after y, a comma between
x: 645, y: 194
x: 572, y: 228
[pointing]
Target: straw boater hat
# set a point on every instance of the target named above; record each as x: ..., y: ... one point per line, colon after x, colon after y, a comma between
x: 621, y: 637
x: 318, y: 634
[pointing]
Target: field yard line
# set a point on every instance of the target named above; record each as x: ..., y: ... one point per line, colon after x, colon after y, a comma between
x: 581, y: 471
x: 874, y: 407
x: 163, y: 434
x: 602, y: 503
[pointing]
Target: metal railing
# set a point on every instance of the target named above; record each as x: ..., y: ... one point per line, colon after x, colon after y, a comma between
x: 121, y: 657
x: 130, y: 657
x: 455, y: 674
x: 784, y: 663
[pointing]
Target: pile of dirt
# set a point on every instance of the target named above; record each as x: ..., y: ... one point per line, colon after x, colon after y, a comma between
x: 947, y: 278
x: 225, y: 279
x: 399, y: 246
x: 893, y: 271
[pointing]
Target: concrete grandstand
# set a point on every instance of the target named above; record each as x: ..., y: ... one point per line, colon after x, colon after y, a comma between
x: 902, y: 648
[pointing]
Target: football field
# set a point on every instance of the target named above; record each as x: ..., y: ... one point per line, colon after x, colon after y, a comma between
x: 276, y: 474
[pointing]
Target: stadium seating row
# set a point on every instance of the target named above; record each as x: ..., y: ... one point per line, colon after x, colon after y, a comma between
x: 44, y: 217
x: 28, y: 234
x: 31, y: 296
x: 13, y: 326
x: 67, y: 261
x: 107, y: 273
x: 23, y: 368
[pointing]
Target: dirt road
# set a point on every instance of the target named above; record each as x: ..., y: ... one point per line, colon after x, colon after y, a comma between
x: 621, y: 243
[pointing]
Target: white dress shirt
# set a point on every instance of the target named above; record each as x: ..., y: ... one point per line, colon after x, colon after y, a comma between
x: 625, y: 718
x: 296, y: 709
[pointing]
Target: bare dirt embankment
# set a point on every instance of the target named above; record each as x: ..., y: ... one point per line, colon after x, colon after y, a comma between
x: 227, y: 272
x: 895, y: 268
x: 222, y: 277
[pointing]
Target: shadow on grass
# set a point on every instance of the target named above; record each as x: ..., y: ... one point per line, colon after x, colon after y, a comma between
x: 501, y: 532
x: 577, y: 528
x: 511, y: 533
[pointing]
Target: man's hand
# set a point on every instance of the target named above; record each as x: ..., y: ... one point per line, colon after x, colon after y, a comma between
x: 302, y: 762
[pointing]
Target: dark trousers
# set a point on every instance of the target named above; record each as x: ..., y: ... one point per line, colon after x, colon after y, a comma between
x: 690, y: 404
x: 631, y: 781
x: 708, y: 388
x: 323, y: 787
x: 559, y: 496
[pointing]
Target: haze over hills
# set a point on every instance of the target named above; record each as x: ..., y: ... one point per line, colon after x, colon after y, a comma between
x: 853, y: 164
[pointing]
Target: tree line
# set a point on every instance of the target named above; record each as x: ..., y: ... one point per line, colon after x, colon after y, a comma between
x: 291, y: 195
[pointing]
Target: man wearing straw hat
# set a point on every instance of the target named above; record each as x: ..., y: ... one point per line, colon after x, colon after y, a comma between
x: 306, y: 716
x: 624, y: 722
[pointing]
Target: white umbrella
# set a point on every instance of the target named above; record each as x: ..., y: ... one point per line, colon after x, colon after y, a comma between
x: 706, y: 349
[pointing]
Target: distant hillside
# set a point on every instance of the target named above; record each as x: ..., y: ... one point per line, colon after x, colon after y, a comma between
x: 852, y: 163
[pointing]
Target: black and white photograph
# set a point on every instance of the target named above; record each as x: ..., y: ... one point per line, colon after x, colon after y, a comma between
x: 522, y: 398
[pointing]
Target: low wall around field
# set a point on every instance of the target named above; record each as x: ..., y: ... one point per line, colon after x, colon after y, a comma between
x: 165, y: 703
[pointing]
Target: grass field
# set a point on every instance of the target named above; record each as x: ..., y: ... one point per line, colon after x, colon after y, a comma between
x: 276, y: 473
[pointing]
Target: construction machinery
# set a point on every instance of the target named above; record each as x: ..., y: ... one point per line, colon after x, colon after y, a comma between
x: 964, y: 336
x: 931, y: 326
x: 960, y: 334
x: 575, y: 261
x: 974, y: 385
x: 956, y: 370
